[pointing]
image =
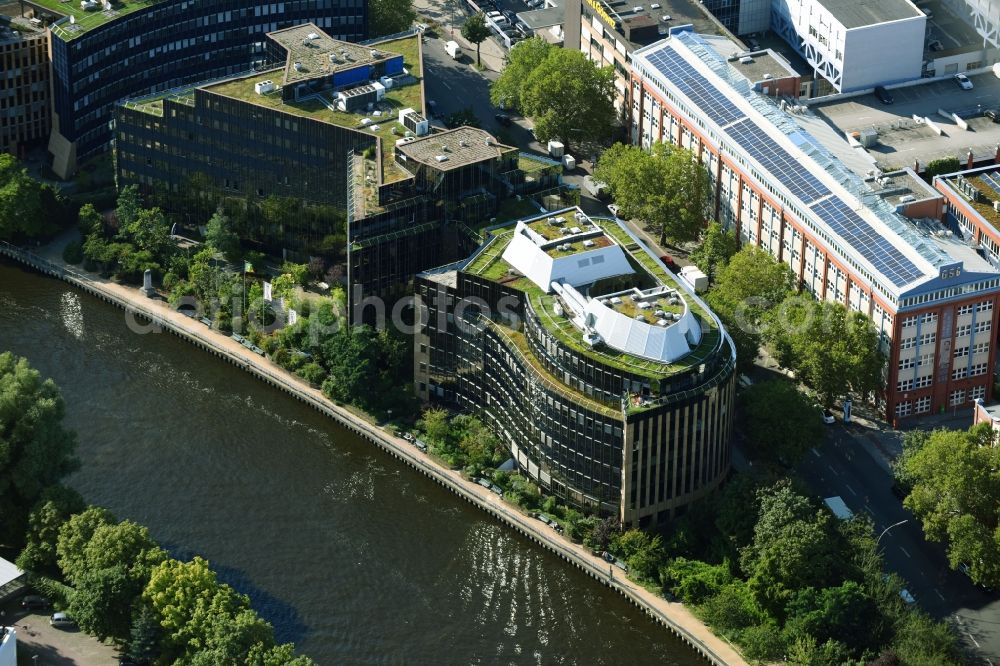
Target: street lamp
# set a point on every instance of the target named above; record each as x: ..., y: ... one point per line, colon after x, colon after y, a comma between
x: 906, y: 520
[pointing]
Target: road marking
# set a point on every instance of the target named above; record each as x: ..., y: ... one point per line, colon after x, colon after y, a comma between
x: 445, y: 84
x: 816, y: 453
x: 939, y: 594
x: 904, y: 551
x: 973, y: 638
x: 850, y: 489
x: 833, y: 470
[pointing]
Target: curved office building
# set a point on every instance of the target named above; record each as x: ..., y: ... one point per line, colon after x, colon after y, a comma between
x: 609, y: 379
x: 105, y: 51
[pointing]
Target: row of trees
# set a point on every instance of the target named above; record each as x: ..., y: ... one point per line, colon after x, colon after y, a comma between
x: 831, y: 349
x: 111, y: 575
x: 567, y: 96
x: 29, y: 209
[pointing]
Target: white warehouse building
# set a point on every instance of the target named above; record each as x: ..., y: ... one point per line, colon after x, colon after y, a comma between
x: 855, y: 44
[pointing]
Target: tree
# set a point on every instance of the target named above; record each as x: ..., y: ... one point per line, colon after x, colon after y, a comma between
x: 570, y: 98
x: 506, y: 91
x: 956, y: 496
x: 476, y: 31
x: 434, y: 423
x: 21, y: 211
x: 940, y: 166
x: 144, y: 636
x: 74, y: 537
x: 188, y: 599
x: 387, y: 17
x: 148, y: 230
x: 717, y: 247
x: 220, y: 235
x: 694, y: 581
x: 89, y: 220
x: 665, y: 187
x: 794, y: 547
x: 57, y: 504
x: 831, y: 349
x: 36, y: 451
x: 781, y: 423
x: 845, y: 614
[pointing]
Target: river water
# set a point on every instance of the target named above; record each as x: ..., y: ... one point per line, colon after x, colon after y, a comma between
x: 355, y: 558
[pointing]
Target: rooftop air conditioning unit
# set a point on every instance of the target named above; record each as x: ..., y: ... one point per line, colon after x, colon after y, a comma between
x: 298, y: 66
x: 263, y: 87
x: 746, y: 60
x: 374, y: 53
x: 441, y: 158
x: 996, y: 206
x: 312, y: 36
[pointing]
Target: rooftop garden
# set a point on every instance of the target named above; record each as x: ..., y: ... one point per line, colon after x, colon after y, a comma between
x: 489, y: 265
x: 985, y: 206
x: 88, y: 20
x: 632, y: 307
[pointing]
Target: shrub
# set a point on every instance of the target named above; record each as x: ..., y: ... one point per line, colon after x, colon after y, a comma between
x: 73, y: 253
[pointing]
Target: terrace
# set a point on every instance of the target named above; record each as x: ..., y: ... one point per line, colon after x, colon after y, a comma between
x: 84, y: 20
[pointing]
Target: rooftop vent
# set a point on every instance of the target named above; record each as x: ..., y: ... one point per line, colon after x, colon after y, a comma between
x: 298, y: 66
x: 441, y: 158
x: 746, y: 60
x: 312, y: 35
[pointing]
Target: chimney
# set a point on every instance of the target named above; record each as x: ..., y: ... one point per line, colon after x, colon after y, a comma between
x: 996, y: 155
x: 968, y: 164
x: 916, y: 166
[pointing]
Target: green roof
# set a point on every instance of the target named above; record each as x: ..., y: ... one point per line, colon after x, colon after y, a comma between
x: 87, y: 20
x: 489, y: 265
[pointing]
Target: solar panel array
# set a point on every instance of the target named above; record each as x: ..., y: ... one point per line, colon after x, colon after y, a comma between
x: 883, y: 255
x: 994, y: 185
x: 789, y: 170
x: 709, y: 99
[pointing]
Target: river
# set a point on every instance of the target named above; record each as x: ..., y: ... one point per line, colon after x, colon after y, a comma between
x: 355, y: 558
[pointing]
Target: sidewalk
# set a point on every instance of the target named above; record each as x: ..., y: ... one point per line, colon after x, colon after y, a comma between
x: 674, y: 615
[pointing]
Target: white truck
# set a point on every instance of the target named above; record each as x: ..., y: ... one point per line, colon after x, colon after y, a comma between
x: 839, y: 509
x: 453, y: 49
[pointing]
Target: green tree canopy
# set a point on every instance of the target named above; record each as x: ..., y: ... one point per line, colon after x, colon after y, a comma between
x: 567, y: 96
x: 220, y: 235
x: 476, y: 31
x: 387, y: 17
x: 74, y: 537
x: 56, y: 505
x: 666, y: 188
x: 522, y: 61
x: 782, y: 424
x: 956, y: 495
x: 36, y: 451
x: 717, y: 247
x: 833, y: 350
x: 21, y: 207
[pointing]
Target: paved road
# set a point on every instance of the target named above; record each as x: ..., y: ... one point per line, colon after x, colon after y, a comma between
x: 853, y: 463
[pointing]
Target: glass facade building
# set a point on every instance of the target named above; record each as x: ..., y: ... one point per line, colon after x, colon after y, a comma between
x: 607, y: 431
x: 147, y: 47
x: 24, y: 85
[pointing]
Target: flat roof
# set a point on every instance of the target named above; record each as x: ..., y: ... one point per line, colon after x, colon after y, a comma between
x: 318, y: 54
x: 459, y: 147
x: 860, y: 13
x: 844, y: 212
x: 8, y: 572
x: 669, y: 14
x: 83, y: 20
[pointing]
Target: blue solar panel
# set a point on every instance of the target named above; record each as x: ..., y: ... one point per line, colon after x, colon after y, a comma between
x: 790, y: 171
x: 882, y: 254
x: 706, y: 97
x: 986, y: 178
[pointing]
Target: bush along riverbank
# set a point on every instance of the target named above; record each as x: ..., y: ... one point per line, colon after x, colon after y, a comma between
x: 110, y: 575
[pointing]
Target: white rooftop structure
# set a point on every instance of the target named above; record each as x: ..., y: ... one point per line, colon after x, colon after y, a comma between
x: 545, y: 261
x: 839, y: 209
x: 659, y: 337
x: 8, y: 572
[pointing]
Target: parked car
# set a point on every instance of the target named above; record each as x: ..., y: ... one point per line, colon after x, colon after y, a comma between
x: 61, y: 621
x: 992, y: 114
x: 503, y: 119
x: 608, y: 557
x: 963, y: 82
x: 828, y: 417
x: 883, y: 95
x: 669, y: 262
x: 613, y: 209
x: 905, y: 595
x: 524, y: 29
x: 34, y: 602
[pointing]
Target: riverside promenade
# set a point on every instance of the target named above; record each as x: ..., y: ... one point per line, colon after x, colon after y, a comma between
x: 155, y: 316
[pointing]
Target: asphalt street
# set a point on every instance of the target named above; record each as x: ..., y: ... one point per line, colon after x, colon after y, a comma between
x: 851, y: 463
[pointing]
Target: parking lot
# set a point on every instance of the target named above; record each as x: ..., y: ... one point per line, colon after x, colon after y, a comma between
x: 902, y: 140
x: 54, y: 647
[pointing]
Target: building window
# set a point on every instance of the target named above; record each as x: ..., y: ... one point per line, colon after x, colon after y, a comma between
x: 977, y: 393
x: 923, y: 405
x: 977, y: 369
x: 930, y: 317
x: 985, y: 306
x: 957, y: 398
x: 906, y: 343
x: 961, y: 351
x: 928, y: 338
x: 903, y: 408
x: 982, y: 326
x: 964, y: 310
x: 981, y: 348
x: 909, y: 321
x: 904, y: 385
x: 959, y: 373
x: 905, y: 363
x: 923, y: 382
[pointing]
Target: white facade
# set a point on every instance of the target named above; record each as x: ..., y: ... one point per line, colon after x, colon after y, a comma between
x: 855, y: 46
x: 985, y: 15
